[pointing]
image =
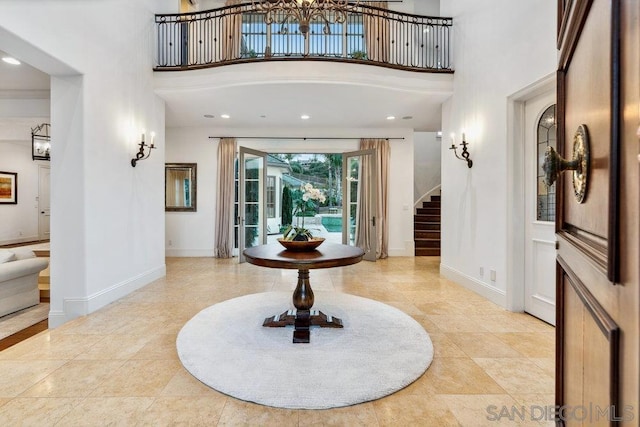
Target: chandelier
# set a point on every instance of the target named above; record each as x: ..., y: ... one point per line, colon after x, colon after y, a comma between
x: 305, y: 11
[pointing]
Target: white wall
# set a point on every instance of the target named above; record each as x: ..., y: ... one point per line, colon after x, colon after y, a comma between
x: 193, y: 235
x: 426, y: 163
x: 500, y: 46
x: 107, y: 220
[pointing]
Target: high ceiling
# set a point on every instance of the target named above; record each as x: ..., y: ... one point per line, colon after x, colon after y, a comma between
x: 21, y: 77
x: 330, y: 103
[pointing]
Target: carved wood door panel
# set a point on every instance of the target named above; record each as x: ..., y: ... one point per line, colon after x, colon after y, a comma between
x: 597, y: 264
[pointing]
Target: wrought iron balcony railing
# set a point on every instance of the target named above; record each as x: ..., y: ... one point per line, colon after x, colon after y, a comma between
x: 236, y: 34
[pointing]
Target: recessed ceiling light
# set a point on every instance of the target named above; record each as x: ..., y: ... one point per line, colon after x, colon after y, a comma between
x: 407, y: 118
x: 305, y: 117
x: 391, y: 117
x: 10, y: 60
x: 225, y: 116
x: 209, y: 116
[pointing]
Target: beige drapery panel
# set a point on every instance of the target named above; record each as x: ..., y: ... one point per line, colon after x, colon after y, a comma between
x: 364, y: 214
x: 225, y: 198
x: 175, y: 187
x: 377, y: 32
x: 232, y: 31
x: 383, y: 154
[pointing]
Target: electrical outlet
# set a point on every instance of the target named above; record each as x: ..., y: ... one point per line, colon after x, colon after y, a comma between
x: 493, y: 275
x: 481, y: 271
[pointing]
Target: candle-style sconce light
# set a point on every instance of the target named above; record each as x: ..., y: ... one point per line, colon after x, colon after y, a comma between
x: 464, y: 155
x: 140, y: 155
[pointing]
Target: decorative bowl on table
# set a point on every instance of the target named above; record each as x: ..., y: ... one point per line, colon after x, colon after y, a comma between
x: 301, y: 245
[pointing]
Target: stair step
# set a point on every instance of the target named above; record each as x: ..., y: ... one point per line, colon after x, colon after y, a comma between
x: 426, y: 226
x: 427, y: 243
x: 428, y: 211
x: 426, y: 218
x: 431, y: 204
x: 427, y: 252
x: 435, y: 198
x: 42, y: 253
x: 420, y: 234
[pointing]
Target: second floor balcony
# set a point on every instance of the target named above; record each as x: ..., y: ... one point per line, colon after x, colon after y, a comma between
x: 368, y: 35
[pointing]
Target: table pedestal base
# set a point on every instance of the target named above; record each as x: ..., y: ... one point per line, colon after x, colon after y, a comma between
x: 302, y: 320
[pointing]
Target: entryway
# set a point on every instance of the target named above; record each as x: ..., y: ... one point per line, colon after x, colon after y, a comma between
x: 531, y: 221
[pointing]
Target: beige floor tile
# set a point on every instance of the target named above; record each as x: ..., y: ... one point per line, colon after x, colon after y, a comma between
x: 482, y: 344
x: 237, y: 412
x: 444, y: 347
x: 410, y: 410
x: 427, y: 324
x: 17, y: 376
x: 76, y: 378
x: 457, y: 323
x: 531, y: 344
x: 488, y: 410
x: 548, y: 364
x: 36, y: 411
x: 124, y: 355
x: 138, y: 378
x: 359, y: 415
x: 517, y: 375
x: 115, y: 346
x: 109, y: 411
x: 187, y: 411
x: 160, y: 347
x: 458, y: 375
x: 185, y: 384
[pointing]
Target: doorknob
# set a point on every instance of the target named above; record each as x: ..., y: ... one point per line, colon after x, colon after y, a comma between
x: 554, y: 164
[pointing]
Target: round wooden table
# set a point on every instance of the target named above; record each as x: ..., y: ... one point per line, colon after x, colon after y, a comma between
x: 326, y: 255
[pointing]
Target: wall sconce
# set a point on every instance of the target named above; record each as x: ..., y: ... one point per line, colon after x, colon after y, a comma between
x: 41, y: 142
x: 140, y: 155
x: 465, y: 152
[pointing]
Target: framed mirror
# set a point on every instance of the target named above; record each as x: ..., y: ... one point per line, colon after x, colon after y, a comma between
x: 180, y: 187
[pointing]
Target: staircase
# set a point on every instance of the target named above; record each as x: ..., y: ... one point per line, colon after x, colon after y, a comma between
x: 426, y: 228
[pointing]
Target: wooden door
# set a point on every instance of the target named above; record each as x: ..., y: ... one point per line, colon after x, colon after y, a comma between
x: 598, y: 259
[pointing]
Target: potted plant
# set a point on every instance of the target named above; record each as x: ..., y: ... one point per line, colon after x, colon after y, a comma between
x: 303, y: 207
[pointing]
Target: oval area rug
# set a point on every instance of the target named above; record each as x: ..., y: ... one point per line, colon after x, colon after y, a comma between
x: 380, y: 350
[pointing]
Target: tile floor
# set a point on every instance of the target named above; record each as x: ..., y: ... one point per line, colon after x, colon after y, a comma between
x: 119, y: 365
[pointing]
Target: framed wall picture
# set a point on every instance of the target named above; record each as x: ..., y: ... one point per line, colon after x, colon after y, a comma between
x: 180, y: 187
x: 8, y: 188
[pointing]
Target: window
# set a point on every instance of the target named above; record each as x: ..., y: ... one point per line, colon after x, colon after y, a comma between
x: 546, y: 198
x: 271, y: 196
x: 282, y: 38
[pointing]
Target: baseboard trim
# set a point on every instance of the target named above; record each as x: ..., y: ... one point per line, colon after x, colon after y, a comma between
x: 28, y: 239
x: 494, y: 295
x: 76, y: 307
x: 189, y: 253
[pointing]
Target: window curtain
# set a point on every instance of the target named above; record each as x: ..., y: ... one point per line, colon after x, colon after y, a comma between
x: 232, y: 31
x: 376, y: 32
x: 225, y: 198
x: 383, y: 154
